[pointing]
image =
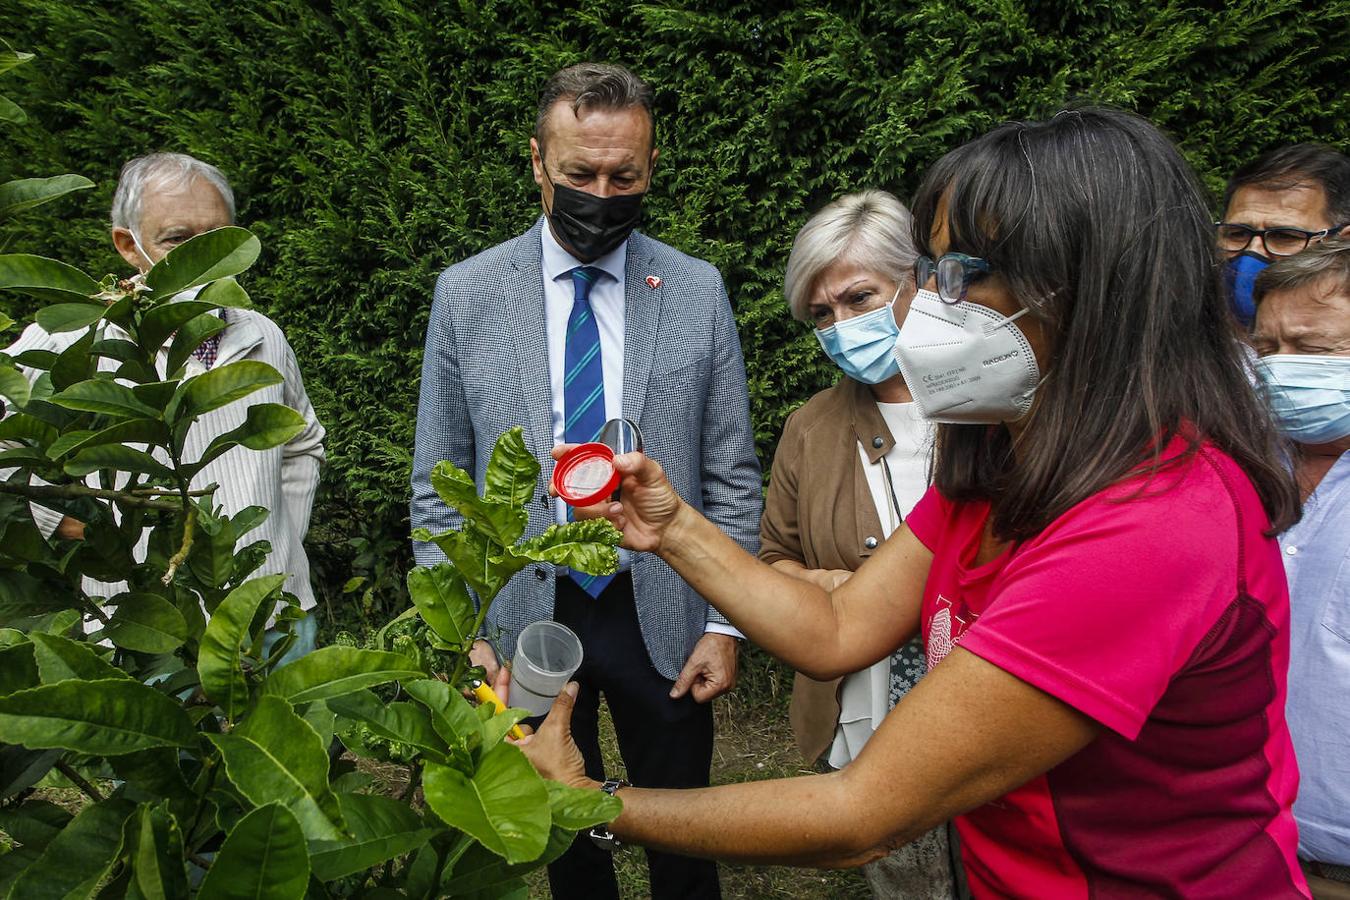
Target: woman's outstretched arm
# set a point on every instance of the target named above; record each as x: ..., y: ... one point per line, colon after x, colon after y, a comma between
x: 967, y: 734
x: 821, y: 633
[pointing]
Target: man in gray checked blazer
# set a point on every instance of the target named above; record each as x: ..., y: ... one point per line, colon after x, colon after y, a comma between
x: 579, y: 320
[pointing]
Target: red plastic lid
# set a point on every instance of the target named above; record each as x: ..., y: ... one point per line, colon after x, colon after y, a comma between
x: 586, y: 475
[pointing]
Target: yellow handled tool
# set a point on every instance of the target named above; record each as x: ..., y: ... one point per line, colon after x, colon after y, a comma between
x: 485, y: 694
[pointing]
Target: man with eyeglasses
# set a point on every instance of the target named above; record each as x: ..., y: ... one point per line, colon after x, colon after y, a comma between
x: 1276, y: 206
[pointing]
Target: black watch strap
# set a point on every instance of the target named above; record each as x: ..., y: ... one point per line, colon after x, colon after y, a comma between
x: 600, y: 835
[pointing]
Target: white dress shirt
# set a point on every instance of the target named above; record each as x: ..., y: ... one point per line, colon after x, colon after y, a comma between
x: 864, y: 697
x: 607, y: 305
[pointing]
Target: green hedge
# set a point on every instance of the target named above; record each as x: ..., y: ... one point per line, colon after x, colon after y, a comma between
x: 373, y: 142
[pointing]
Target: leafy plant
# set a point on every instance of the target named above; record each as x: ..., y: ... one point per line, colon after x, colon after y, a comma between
x: 208, y: 764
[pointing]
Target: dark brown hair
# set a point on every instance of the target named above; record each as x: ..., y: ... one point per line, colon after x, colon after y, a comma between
x: 1299, y: 165
x: 593, y: 86
x: 1101, y: 230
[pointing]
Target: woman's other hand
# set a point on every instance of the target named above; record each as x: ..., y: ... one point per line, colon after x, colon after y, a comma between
x: 551, y: 749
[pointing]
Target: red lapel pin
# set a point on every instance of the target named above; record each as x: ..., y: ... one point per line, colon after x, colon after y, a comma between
x: 653, y: 282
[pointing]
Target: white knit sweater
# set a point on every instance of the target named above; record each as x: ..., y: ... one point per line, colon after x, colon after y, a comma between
x: 282, y: 479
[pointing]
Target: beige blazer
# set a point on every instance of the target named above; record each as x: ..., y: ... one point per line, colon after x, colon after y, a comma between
x: 819, y: 512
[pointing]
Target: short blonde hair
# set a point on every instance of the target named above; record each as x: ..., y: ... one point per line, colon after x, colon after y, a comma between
x: 870, y: 228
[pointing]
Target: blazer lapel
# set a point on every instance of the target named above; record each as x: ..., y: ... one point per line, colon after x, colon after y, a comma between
x: 523, y: 293
x: 641, y: 315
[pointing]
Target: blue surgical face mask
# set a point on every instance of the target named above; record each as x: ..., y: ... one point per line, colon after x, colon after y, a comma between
x: 1241, y: 275
x: 1310, y: 395
x: 864, y: 346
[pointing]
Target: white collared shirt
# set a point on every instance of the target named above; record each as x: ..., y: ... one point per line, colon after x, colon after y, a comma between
x: 607, y: 305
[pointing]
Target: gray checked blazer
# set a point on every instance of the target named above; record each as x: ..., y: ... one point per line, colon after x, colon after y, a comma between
x: 486, y: 370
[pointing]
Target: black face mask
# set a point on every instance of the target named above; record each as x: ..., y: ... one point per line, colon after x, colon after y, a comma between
x: 592, y: 226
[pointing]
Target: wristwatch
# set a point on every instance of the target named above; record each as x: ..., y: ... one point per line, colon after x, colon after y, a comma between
x: 600, y: 834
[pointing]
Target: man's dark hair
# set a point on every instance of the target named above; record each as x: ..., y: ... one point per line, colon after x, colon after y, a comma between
x: 593, y: 86
x: 1326, y: 259
x: 1299, y: 165
x: 1101, y: 230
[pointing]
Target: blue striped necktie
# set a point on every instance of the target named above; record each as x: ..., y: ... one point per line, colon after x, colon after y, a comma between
x: 583, y: 387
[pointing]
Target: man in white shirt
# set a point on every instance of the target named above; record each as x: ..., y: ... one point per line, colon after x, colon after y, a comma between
x: 577, y: 321
x: 162, y: 200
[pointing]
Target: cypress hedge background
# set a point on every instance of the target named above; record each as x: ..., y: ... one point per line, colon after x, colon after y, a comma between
x: 373, y: 142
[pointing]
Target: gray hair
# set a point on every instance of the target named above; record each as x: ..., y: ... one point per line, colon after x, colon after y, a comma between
x: 162, y: 169
x: 594, y: 86
x: 870, y: 228
x: 1321, y: 260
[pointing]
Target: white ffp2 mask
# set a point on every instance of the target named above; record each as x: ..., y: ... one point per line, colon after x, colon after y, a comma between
x: 965, y: 363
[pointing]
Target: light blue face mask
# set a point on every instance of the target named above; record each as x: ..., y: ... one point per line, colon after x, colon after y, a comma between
x: 864, y: 346
x: 1310, y: 395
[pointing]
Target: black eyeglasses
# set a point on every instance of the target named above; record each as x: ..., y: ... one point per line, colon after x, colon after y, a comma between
x: 955, y: 272
x: 1235, y: 238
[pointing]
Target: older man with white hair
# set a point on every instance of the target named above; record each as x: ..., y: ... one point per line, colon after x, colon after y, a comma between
x: 162, y: 200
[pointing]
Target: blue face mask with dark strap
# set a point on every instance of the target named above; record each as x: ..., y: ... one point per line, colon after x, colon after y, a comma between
x: 1241, y: 277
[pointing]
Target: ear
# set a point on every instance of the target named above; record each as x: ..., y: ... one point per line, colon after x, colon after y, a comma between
x: 537, y: 163
x: 651, y: 166
x: 126, y: 246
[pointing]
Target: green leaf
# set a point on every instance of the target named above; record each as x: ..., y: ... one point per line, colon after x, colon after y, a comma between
x: 23, y: 427
x: 105, y: 397
x: 498, y: 520
x: 451, y: 715
x: 146, y: 623
x: 35, y: 823
x: 74, y: 364
x: 190, y: 337
x: 576, y: 809
x: 264, y: 858
x: 276, y: 756
x: 46, y: 279
x: 26, y: 193
x: 104, y: 717
x: 481, y: 870
x: 79, y: 857
x: 222, y: 646
x: 116, y: 456
x: 11, y: 113
x: 404, y: 723
x: 382, y: 828
x: 18, y: 669
x: 334, y: 671
x: 21, y: 768
x: 478, y: 559
x: 442, y: 598
x: 266, y: 425
x: 11, y: 58
x: 165, y: 319
x: 205, y: 257
x: 59, y: 317
x: 504, y: 806
x: 226, y: 384
x: 157, y: 855
x: 158, y: 773
x: 59, y: 659
x: 13, y: 386
x: 589, y: 546
x: 225, y: 292
x: 512, y: 471
x: 132, y: 431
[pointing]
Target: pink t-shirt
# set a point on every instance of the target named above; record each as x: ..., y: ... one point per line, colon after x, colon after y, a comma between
x: 1164, y: 616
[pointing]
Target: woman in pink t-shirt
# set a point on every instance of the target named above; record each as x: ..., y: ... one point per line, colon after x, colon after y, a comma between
x: 1104, y: 614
